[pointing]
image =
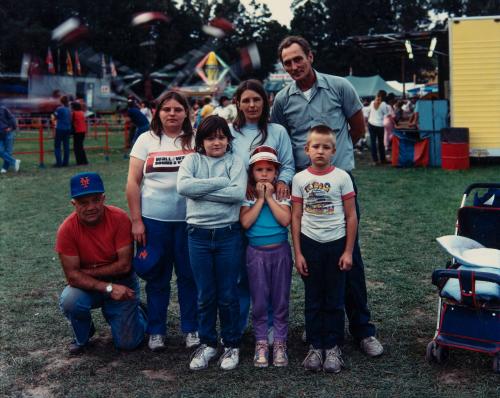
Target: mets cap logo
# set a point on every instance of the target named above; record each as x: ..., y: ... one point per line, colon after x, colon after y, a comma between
x: 85, y: 182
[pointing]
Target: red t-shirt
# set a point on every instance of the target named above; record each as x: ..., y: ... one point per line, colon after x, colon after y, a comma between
x: 95, y: 244
x: 79, y: 123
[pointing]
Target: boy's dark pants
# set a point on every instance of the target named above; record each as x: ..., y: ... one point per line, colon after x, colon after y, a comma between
x: 324, y: 292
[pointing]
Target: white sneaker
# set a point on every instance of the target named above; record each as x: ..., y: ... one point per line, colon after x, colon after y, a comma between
x: 17, y: 164
x: 3, y: 171
x: 371, y: 347
x: 201, y: 357
x: 156, y: 342
x: 229, y: 359
x: 192, y: 340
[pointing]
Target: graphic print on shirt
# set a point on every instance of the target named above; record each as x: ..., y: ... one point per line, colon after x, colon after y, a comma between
x: 318, y: 201
x: 165, y: 161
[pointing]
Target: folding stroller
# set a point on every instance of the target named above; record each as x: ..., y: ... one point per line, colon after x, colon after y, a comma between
x: 469, y: 289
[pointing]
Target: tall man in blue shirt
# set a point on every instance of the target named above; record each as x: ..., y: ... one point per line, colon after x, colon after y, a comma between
x: 319, y: 99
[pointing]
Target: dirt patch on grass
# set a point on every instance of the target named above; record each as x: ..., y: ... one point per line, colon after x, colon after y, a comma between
x: 38, y: 392
x: 162, y: 375
x: 453, y: 377
x: 375, y: 284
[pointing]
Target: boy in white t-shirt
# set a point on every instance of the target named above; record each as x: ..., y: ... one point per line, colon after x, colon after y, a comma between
x: 324, y: 226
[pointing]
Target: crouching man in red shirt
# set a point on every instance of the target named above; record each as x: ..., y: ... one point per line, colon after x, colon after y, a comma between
x: 95, y: 248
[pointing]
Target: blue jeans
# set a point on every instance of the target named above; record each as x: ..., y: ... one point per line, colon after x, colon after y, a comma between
x: 62, y: 137
x: 324, y: 292
x: 169, y: 241
x: 6, y: 148
x: 215, y: 256
x: 356, y: 298
x: 126, y: 318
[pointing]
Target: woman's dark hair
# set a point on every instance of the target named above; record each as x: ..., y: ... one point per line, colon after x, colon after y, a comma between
x: 187, y: 130
x: 382, y: 94
x: 240, y: 120
x: 208, y: 127
x: 76, y: 106
x: 64, y: 100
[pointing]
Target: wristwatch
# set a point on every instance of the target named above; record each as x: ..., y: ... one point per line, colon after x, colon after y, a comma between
x: 109, y: 288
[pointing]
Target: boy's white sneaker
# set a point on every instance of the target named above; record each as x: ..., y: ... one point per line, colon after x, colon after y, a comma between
x: 156, y: 342
x: 17, y: 165
x: 3, y: 171
x: 371, y: 346
x: 192, y: 339
x: 229, y: 359
x: 201, y: 357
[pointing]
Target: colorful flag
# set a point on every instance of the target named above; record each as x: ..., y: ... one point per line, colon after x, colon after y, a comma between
x: 69, y: 64
x: 103, y: 65
x: 50, y: 62
x: 78, y: 67
x: 112, y: 67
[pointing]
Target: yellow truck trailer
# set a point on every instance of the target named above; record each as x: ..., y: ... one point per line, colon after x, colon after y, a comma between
x: 474, y: 44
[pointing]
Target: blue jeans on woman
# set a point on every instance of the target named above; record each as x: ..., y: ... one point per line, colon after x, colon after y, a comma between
x: 62, y: 137
x: 167, y: 242
x: 6, y: 148
x: 215, y: 256
x: 126, y: 318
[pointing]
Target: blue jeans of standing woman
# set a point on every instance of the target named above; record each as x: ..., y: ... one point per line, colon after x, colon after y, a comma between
x: 215, y: 256
x: 377, y: 141
x: 6, y: 148
x: 167, y: 243
x: 62, y: 137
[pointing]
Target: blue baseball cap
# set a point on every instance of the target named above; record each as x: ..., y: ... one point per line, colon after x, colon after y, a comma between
x: 85, y: 184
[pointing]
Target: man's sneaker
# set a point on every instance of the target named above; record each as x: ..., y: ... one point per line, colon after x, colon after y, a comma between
x: 3, y: 171
x: 229, y: 359
x: 280, y: 357
x: 333, y: 360
x: 17, y: 164
x: 192, y: 340
x: 261, y: 357
x: 313, y: 360
x: 76, y: 349
x: 156, y: 342
x: 371, y: 346
x: 202, y: 355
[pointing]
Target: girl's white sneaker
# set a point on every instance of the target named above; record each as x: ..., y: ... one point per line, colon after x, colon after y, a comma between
x: 202, y: 355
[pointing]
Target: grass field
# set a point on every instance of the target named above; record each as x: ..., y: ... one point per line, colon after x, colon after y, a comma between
x: 403, y: 211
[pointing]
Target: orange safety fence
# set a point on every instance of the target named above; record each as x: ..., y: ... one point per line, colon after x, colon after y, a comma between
x: 34, y: 134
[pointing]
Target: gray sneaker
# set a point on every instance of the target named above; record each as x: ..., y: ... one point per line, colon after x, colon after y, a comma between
x: 333, y: 360
x: 313, y: 360
x: 371, y: 347
x: 229, y: 359
x: 192, y: 339
x: 156, y: 342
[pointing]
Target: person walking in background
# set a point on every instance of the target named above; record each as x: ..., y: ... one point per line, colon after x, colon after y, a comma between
x: 62, y: 116
x: 389, y: 121
x: 79, y: 132
x: 378, y: 110
x: 8, y: 126
x: 324, y: 227
x: 138, y: 119
x: 316, y: 98
x: 158, y: 215
x: 268, y: 256
x: 214, y: 182
x: 146, y: 110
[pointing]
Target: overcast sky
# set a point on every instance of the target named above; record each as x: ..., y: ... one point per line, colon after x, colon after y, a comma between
x: 279, y: 8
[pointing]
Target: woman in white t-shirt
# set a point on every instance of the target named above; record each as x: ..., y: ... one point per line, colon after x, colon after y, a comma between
x: 158, y: 215
x: 378, y: 109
